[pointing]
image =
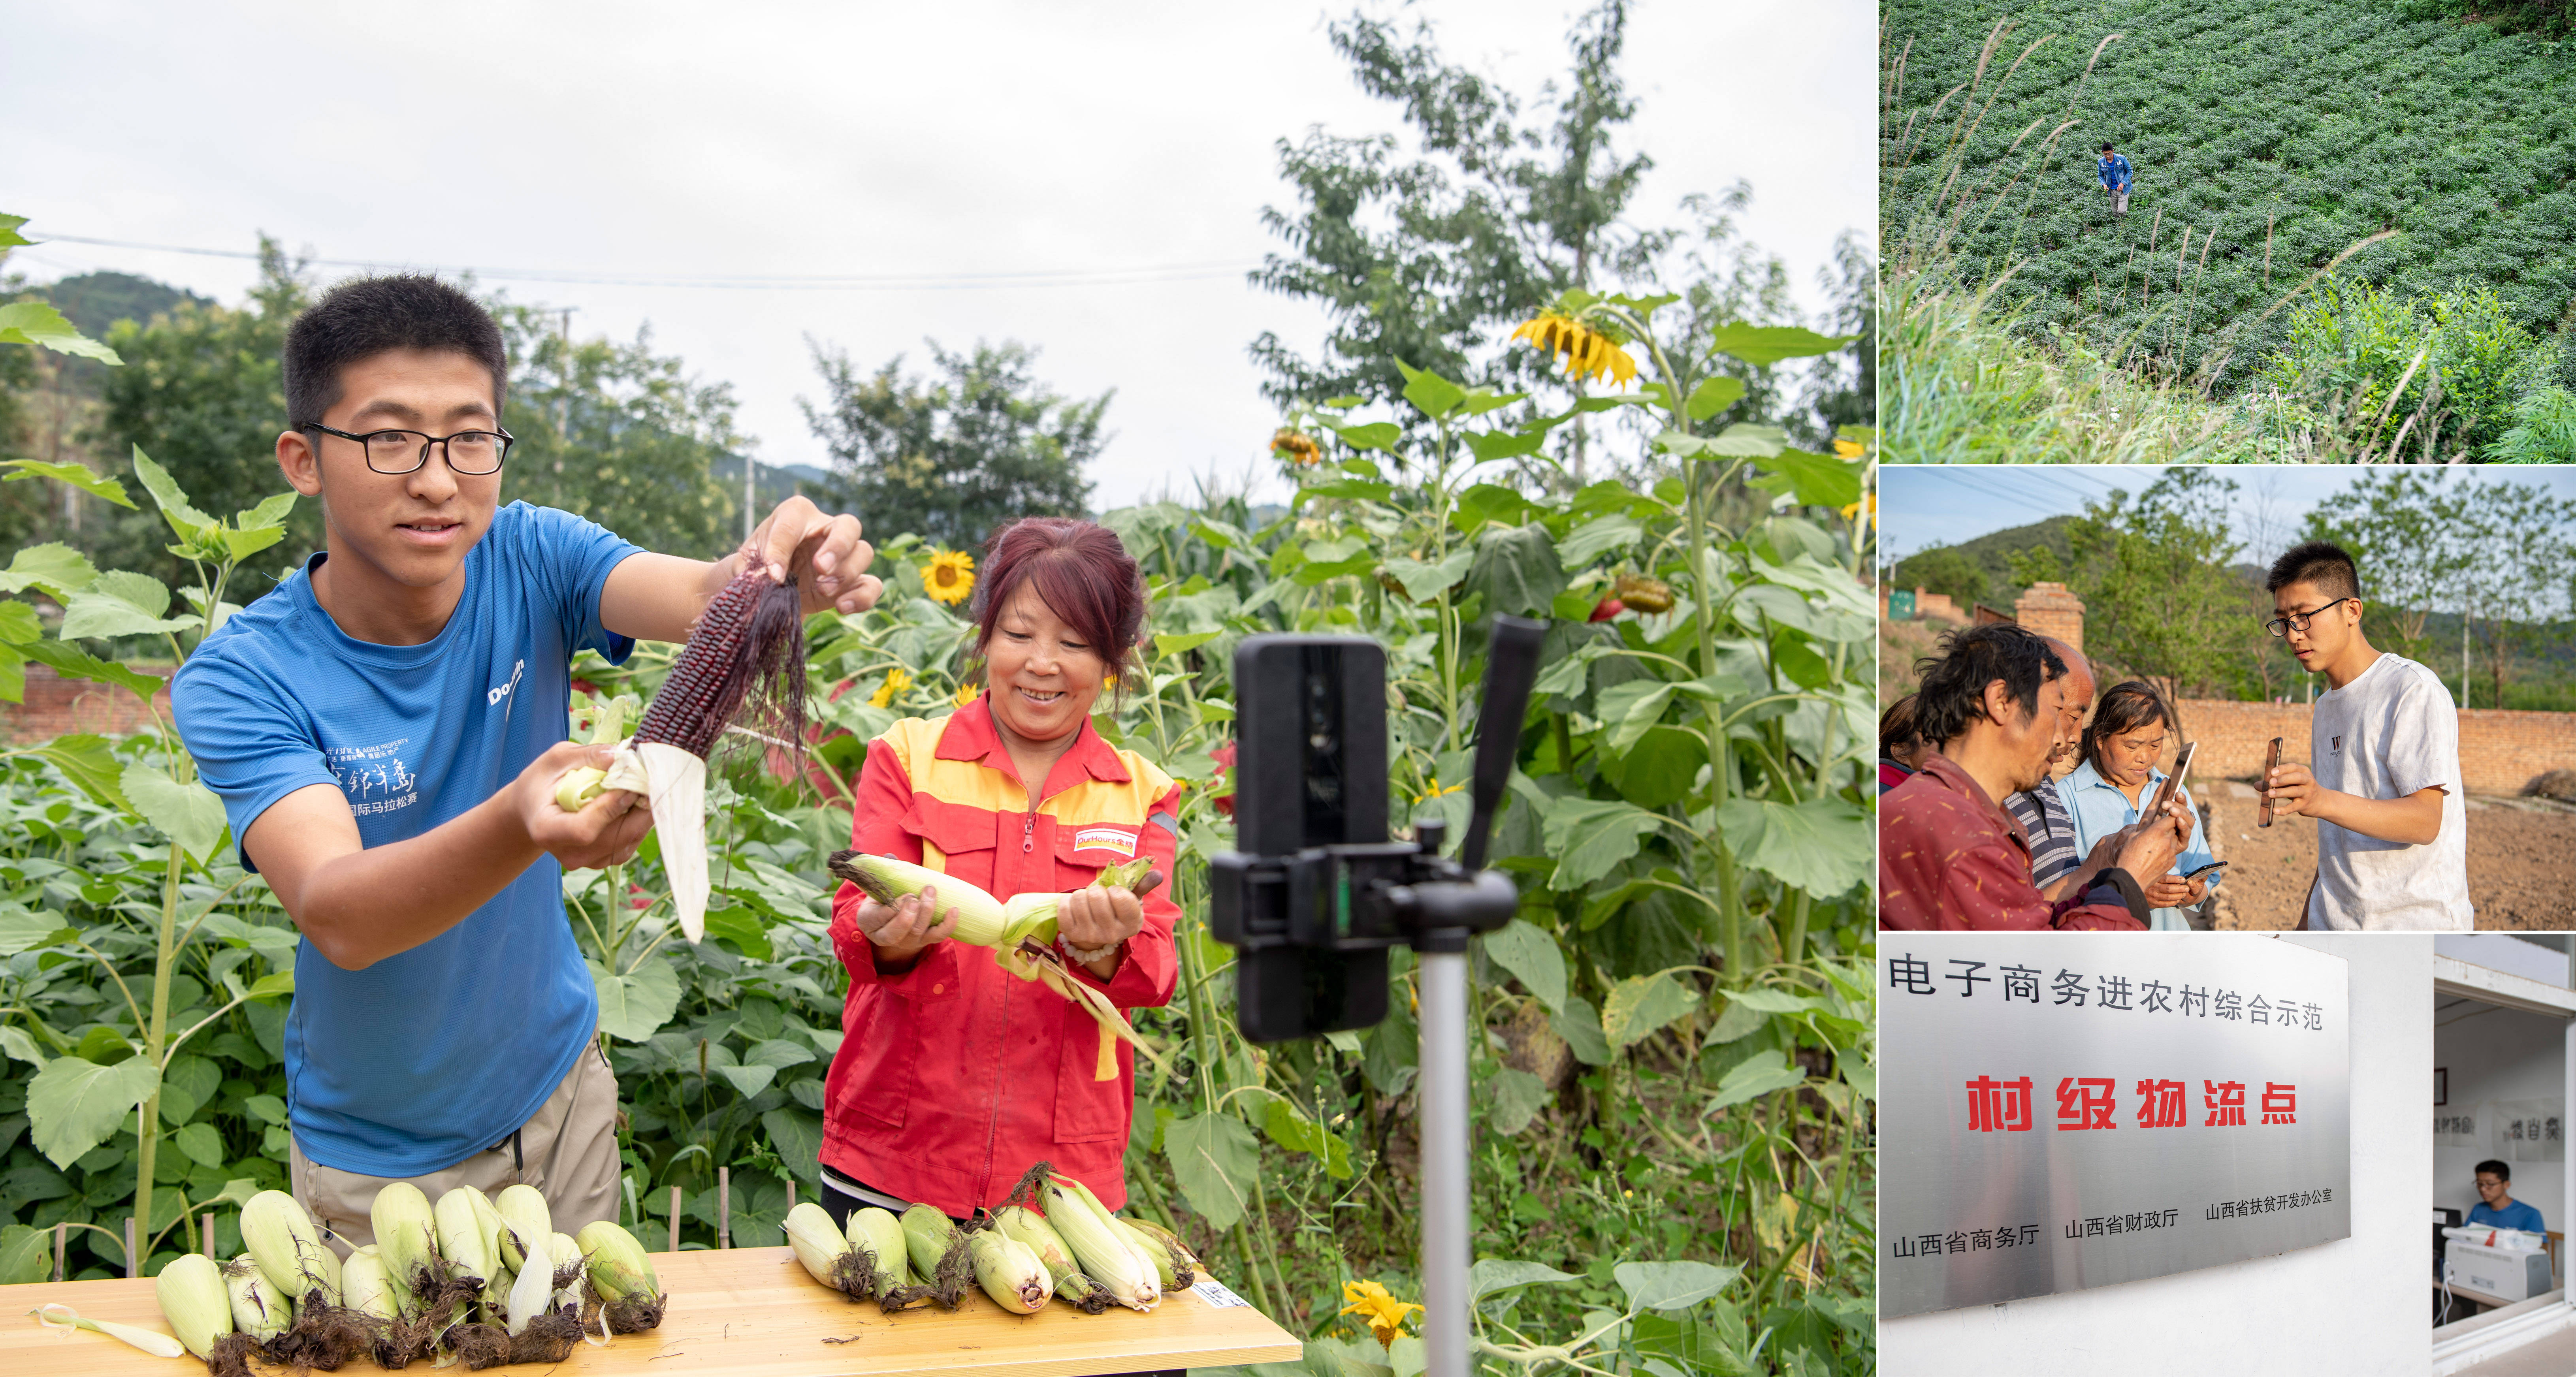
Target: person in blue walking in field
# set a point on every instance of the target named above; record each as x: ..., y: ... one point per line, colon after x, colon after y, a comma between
x: 2115, y: 179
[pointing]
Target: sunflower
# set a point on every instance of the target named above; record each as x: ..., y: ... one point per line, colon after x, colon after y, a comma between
x: 965, y: 695
x: 1850, y: 449
x: 1587, y: 351
x: 1295, y: 447
x: 896, y: 681
x: 1871, y: 501
x: 949, y: 576
x: 1384, y: 1313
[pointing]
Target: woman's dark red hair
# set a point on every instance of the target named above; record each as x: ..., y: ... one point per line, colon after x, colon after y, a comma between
x: 1080, y: 570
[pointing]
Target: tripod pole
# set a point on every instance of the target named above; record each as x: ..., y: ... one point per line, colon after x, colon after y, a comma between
x: 1446, y: 1240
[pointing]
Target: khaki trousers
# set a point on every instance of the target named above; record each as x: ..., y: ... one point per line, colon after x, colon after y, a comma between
x: 568, y: 1151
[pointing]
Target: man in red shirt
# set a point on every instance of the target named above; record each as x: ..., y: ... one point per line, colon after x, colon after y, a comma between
x: 1949, y: 855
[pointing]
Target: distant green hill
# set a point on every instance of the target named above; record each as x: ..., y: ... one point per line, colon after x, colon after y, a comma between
x: 1980, y: 570
x: 95, y: 301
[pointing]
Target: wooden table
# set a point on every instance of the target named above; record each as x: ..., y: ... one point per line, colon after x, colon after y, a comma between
x: 744, y: 1312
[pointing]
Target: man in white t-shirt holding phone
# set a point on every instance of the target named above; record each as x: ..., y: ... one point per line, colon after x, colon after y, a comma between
x: 2383, y: 782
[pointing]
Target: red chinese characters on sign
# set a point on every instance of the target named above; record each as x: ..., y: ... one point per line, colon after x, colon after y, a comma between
x: 2085, y: 1102
x: 2225, y: 1101
x: 2280, y: 1103
x: 1999, y: 1106
x: 2161, y: 1105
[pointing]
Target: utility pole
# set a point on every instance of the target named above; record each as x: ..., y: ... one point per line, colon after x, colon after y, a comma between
x: 748, y: 470
x: 2464, y: 655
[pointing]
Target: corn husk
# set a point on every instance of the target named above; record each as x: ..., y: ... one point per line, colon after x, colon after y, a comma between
x: 939, y: 1254
x: 622, y: 1277
x: 876, y: 1236
x: 1029, y: 1228
x: 60, y: 1316
x: 1185, y: 1264
x: 534, y: 1286
x: 1009, y: 1272
x: 258, y: 1310
x: 981, y: 920
x: 1103, y: 1251
x: 191, y: 1293
x: 825, y: 1251
x: 675, y: 784
x: 280, y: 1237
x: 524, y: 1216
x: 406, y: 1238
x: 461, y: 1238
x: 364, y: 1287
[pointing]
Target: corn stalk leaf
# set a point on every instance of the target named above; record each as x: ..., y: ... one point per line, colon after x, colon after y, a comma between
x: 75, y: 1104
x: 80, y: 476
x: 34, y: 322
x: 188, y: 814
x: 58, y: 569
x: 1517, y: 1097
x: 1641, y: 1004
x: 1672, y: 1285
x: 1215, y: 1156
x: 634, y: 1006
x: 1533, y: 957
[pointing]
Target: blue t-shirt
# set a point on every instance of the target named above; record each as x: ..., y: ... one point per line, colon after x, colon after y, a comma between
x: 426, y: 1058
x: 2519, y: 1215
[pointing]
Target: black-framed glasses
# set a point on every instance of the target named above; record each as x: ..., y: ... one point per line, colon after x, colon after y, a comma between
x: 2298, y: 621
x: 475, y: 452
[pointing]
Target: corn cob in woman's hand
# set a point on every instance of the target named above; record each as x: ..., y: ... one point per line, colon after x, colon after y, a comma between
x: 749, y: 646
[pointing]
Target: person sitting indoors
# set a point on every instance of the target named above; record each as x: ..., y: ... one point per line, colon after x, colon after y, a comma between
x: 2496, y: 1207
x: 2054, y: 857
x: 2119, y: 776
x: 1901, y: 748
x: 1949, y: 856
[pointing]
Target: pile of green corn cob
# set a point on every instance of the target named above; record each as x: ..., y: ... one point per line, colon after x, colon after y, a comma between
x: 473, y: 1280
x: 1072, y: 1249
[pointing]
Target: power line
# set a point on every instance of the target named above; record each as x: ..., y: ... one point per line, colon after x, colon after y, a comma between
x: 841, y: 282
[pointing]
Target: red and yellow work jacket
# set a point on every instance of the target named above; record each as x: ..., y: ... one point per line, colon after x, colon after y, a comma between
x: 954, y: 1076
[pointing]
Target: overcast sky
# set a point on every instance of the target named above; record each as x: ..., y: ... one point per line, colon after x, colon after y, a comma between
x: 655, y: 141
x: 1951, y: 504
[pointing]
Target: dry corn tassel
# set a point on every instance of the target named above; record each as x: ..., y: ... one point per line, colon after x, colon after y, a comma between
x: 939, y: 1255
x: 1009, y: 1271
x: 1031, y: 1229
x: 1101, y: 1249
x: 191, y: 1293
x: 151, y: 1341
x: 748, y: 645
x: 622, y: 1277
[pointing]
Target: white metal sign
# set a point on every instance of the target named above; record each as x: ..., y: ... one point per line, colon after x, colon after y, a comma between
x: 2066, y: 1110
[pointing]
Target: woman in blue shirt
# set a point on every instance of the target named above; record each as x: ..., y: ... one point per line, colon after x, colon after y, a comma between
x: 2118, y: 777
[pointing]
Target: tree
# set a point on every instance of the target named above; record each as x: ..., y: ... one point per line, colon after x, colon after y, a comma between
x: 2404, y: 532
x: 621, y: 435
x: 1947, y: 570
x: 2519, y: 576
x: 203, y: 392
x: 2160, y: 600
x: 952, y: 456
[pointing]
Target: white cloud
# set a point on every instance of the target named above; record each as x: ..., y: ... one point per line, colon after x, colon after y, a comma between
x: 654, y: 139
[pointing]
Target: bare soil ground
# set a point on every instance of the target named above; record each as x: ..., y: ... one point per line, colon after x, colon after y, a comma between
x: 2522, y: 862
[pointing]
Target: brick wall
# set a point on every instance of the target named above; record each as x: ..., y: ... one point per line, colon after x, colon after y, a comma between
x: 1928, y: 606
x: 2051, y: 610
x: 54, y: 705
x: 2499, y: 751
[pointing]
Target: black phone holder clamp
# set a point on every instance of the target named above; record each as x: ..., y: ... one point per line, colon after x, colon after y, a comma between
x: 1316, y: 895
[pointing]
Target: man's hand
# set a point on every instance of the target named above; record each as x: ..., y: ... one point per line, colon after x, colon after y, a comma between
x: 901, y: 931
x: 2153, y: 842
x: 1094, y: 918
x: 604, y: 833
x: 824, y: 552
x: 2415, y: 820
x: 2173, y: 891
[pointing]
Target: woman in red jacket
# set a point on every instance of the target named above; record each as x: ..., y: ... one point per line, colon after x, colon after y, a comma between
x: 954, y: 1076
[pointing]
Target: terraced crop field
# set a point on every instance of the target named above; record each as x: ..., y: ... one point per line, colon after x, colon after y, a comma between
x: 2321, y: 122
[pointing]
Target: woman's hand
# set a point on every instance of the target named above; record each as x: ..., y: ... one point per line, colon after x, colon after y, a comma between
x: 902, y: 931
x: 1094, y: 918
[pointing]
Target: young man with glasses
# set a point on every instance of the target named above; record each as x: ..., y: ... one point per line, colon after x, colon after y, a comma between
x: 2383, y: 782
x: 386, y: 727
